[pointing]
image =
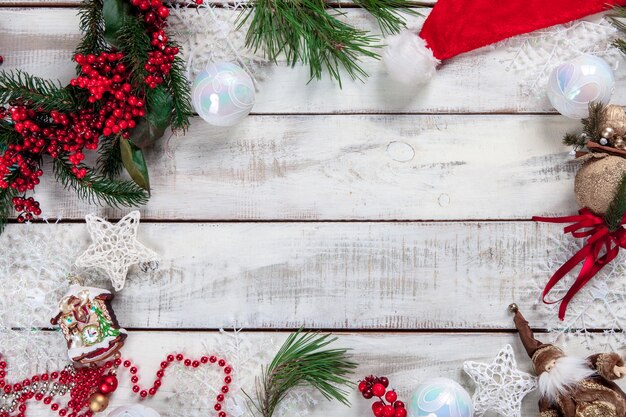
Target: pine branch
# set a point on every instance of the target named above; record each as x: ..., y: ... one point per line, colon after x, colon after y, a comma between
x: 305, y: 31
x: 109, y: 163
x: 97, y: 189
x: 572, y: 139
x: 34, y: 91
x: 133, y: 40
x: 388, y: 13
x: 8, y: 135
x: 617, y: 208
x: 179, y: 88
x: 618, y: 19
x: 592, y: 124
x: 303, y: 361
x: 6, y: 206
x: 92, y: 26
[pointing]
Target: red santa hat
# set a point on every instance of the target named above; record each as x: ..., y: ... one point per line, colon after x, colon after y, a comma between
x: 457, y: 26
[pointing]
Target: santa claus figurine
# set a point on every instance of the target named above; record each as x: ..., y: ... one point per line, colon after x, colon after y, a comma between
x: 571, y: 386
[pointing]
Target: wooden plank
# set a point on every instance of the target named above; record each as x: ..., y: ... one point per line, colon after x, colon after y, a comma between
x: 334, y: 275
x: 42, y: 41
x: 354, y: 167
x: 406, y: 359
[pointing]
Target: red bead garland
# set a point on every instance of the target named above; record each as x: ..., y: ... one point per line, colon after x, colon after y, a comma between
x: 86, y: 382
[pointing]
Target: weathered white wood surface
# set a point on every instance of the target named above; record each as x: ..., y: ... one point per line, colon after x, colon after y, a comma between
x: 41, y: 41
x: 407, y: 359
x: 355, y: 167
x: 335, y: 275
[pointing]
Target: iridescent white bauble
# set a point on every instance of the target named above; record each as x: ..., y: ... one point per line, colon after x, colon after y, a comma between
x: 440, y: 397
x: 223, y: 94
x: 576, y: 83
x: 135, y: 410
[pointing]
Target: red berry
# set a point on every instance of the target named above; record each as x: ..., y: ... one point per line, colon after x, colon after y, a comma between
x: 367, y: 394
x: 2, y: 58
x: 398, y: 404
x: 362, y: 386
x: 377, y: 408
x: 384, y: 380
x: 389, y: 411
x: 378, y: 389
x: 400, y: 412
x: 391, y: 396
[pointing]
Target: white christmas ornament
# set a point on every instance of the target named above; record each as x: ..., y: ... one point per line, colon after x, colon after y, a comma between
x: 440, y: 397
x: 115, y: 247
x: 408, y: 59
x: 576, y: 83
x: 136, y: 410
x: 223, y: 94
x: 500, y: 386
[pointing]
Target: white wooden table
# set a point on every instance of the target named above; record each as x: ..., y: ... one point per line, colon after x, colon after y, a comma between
x: 399, y: 221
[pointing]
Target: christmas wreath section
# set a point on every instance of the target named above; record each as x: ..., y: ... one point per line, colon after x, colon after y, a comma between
x: 129, y: 88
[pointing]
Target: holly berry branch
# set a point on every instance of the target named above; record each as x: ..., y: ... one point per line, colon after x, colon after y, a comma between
x: 130, y: 86
x: 387, y: 404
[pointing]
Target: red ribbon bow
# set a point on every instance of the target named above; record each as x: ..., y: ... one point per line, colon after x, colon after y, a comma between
x: 584, y: 225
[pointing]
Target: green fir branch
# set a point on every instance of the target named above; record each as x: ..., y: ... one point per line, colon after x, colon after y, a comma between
x: 592, y: 128
x: 178, y: 87
x: 388, y: 13
x: 97, y: 189
x: 303, y: 361
x: 92, y: 26
x: 306, y: 31
x: 6, y: 206
x: 615, y: 213
x: 618, y: 19
x: 8, y: 135
x: 35, y: 91
x: 134, y: 42
x: 575, y: 140
x: 109, y: 163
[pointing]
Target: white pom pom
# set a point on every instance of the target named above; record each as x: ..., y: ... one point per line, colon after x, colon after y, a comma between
x: 408, y: 59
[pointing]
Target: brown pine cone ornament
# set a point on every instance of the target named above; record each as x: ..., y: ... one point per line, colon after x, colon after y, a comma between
x: 597, y: 182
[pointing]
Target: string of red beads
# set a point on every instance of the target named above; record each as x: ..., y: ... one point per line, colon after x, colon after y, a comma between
x: 86, y: 382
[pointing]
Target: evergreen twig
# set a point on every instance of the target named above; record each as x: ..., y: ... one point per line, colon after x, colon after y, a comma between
x: 179, y: 88
x: 109, y: 163
x: 591, y: 128
x: 92, y: 26
x: 617, y: 208
x: 35, y: 91
x: 306, y: 31
x: 8, y: 135
x: 97, y: 189
x: 6, y: 205
x: 133, y: 40
x: 302, y: 360
x: 388, y: 13
x: 618, y: 19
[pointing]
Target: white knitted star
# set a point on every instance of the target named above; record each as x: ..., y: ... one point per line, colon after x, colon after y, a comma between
x: 115, y: 247
x: 500, y: 386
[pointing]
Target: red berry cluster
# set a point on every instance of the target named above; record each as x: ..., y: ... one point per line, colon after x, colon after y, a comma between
x: 387, y: 404
x: 26, y: 208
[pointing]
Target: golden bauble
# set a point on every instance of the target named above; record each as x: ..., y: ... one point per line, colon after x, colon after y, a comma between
x: 98, y: 402
x: 597, y: 182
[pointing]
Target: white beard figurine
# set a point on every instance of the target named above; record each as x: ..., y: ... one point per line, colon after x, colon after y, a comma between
x: 570, y: 386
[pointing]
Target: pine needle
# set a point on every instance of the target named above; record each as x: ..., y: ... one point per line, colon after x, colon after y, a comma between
x: 388, y: 13
x: 134, y: 42
x: 92, y: 26
x: 35, y: 91
x: 109, y: 163
x: 615, y: 213
x: 618, y: 19
x: 97, y: 189
x: 180, y: 90
x: 303, y: 361
x: 306, y: 31
x: 6, y: 206
x: 8, y: 135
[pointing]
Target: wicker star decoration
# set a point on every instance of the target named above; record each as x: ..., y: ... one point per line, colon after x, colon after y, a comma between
x: 500, y: 386
x: 115, y: 248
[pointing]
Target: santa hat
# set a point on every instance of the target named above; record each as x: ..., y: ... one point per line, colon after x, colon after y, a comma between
x: 456, y: 26
x: 540, y: 353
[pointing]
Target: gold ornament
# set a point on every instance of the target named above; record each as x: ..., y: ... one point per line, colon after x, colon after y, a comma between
x: 597, y: 182
x: 98, y: 402
x: 613, y: 126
